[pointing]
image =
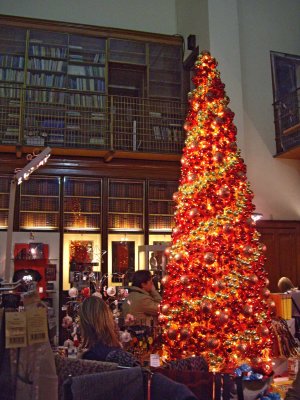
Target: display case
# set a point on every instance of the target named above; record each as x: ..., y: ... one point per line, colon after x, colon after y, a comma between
x: 82, y: 204
x: 4, y: 200
x: 161, y: 206
x: 126, y: 205
x: 39, y: 203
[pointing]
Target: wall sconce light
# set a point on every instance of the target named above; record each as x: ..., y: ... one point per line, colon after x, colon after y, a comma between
x: 256, y: 216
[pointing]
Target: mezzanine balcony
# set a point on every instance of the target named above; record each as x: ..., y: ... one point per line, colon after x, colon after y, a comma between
x: 92, y: 124
x: 287, y: 125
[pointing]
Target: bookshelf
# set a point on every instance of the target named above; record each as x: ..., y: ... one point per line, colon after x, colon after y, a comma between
x: 126, y: 205
x: 165, y: 80
x: 69, y: 88
x: 12, y: 64
x: 161, y: 206
x: 39, y: 204
x: 82, y: 204
x: 4, y: 200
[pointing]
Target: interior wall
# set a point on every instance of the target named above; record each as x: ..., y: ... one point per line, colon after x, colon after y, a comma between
x: 141, y: 15
x: 265, y: 26
x: 192, y: 19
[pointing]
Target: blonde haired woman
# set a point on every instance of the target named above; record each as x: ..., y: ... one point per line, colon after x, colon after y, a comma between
x: 100, y: 334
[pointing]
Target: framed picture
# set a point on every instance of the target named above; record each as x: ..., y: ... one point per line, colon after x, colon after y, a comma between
x: 123, y: 261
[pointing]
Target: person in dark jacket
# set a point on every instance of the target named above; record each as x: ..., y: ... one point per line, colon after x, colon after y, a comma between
x: 294, y: 392
x: 100, y: 334
x: 143, y: 299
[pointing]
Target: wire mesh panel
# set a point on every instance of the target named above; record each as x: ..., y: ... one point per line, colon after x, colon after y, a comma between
x: 10, y: 109
x: 87, y: 122
x: 45, y: 122
x: 147, y: 125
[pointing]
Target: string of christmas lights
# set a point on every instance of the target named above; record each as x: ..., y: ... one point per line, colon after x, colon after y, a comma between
x: 216, y: 298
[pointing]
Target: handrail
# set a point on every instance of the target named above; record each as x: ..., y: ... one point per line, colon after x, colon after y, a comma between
x: 90, y: 120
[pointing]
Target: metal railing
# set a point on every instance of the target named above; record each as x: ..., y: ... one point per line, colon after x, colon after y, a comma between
x: 287, y: 121
x: 70, y: 119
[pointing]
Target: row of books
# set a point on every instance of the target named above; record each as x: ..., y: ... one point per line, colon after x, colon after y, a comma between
x: 34, y: 140
x: 92, y: 84
x: 4, y: 200
x: 78, y: 188
x: 48, y: 65
x: 161, y: 222
x: 81, y: 221
x: 10, y: 61
x: 162, y: 192
x: 44, y: 79
x: 82, y: 204
x: 44, y: 51
x: 87, y: 70
x: 92, y: 57
x: 11, y: 75
x: 116, y: 221
x: 46, y: 96
x: 3, y: 219
x: 125, y: 205
x: 10, y: 91
x: 130, y: 190
x: 73, y: 99
x: 39, y: 203
x: 4, y: 184
x: 161, y: 208
x: 84, y: 100
x: 166, y: 133
x: 41, y: 187
x: 39, y: 220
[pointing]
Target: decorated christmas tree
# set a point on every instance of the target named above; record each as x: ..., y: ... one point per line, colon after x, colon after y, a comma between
x: 216, y: 297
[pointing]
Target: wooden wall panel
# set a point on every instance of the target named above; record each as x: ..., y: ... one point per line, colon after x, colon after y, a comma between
x: 283, y: 250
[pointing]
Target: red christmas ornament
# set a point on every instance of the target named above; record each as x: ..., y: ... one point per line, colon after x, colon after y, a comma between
x: 266, y: 292
x: 242, y: 348
x: 209, y: 258
x: 247, y: 250
x: 206, y: 307
x: 212, y: 343
x: 224, y: 192
x: 184, y: 333
x: 165, y: 279
x: 193, y: 212
x: 219, y: 157
x: 227, y: 228
x: 253, y: 278
x: 172, y: 334
x: 165, y: 309
x: 86, y: 292
x: 175, y: 196
x: 184, y: 279
x: 248, y: 310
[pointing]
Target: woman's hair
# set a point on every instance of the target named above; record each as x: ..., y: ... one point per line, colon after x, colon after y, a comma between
x: 285, y: 284
x: 140, y: 277
x: 97, y: 323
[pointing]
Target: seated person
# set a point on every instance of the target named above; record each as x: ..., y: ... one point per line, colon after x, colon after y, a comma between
x: 285, y: 285
x: 143, y: 299
x: 100, y: 334
x: 294, y: 392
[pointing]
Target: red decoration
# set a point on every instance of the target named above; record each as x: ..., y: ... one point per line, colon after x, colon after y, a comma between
x: 215, y: 294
